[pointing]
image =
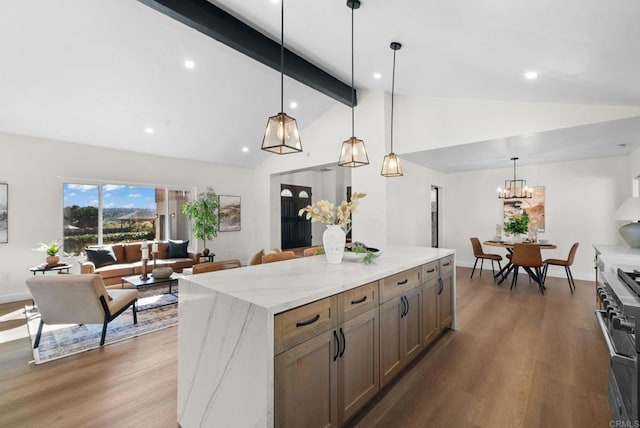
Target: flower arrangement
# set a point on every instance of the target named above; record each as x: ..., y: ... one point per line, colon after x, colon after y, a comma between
x: 326, y: 212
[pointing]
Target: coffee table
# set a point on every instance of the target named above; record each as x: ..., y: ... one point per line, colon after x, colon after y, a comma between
x: 139, y: 283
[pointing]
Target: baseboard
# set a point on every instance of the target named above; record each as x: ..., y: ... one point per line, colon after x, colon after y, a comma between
x: 555, y: 272
x: 10, y: 298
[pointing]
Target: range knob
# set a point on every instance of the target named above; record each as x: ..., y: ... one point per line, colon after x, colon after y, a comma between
x: 607, y: 303
x: 621, y: 323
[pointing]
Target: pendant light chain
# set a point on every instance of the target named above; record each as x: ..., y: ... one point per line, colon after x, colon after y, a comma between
x: 393, y: 86
x: 282, y: 56
x: 353, y: 101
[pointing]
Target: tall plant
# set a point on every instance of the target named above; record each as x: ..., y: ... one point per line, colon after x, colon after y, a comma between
x: 205, y: 215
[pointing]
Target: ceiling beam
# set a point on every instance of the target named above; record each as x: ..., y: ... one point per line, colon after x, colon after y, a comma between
x: 209, y: 19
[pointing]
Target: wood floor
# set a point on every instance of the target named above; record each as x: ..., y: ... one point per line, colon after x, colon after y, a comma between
x: 517, y: 359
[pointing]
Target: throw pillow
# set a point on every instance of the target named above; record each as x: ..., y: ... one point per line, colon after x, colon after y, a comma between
x: 178, y: 249
x: 101, y: 256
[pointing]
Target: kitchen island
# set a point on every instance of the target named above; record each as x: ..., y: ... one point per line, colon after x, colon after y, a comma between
x: 228, y: 338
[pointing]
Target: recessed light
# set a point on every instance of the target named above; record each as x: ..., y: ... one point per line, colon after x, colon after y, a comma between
x: 293, y: 104
x: 377, y: 76
x: 622, y: 145
x: 189, y: 64
x: 148, y: 130
x: 245, y: 149
x: 531, y: 75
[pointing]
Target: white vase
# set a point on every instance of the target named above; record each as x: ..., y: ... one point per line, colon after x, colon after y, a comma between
x: 333, y: 240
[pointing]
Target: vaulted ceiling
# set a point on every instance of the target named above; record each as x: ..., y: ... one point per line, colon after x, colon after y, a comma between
x: 100, y: 72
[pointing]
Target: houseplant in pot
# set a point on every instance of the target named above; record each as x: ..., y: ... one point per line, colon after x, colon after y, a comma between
x: 52, y: 251
x: 517, y: 225
x: 205, y: 216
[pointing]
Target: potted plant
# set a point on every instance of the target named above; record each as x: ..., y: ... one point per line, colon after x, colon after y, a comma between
x: 516, y: 225
x: 205, y: 216
x: 52, y: 251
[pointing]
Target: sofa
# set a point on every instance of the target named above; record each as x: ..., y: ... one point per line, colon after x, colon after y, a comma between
x: 114, y: 261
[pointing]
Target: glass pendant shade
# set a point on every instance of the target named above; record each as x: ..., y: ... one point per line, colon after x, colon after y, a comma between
x: 353, y: 153
x: 282, y: 135
x: 391, y: 166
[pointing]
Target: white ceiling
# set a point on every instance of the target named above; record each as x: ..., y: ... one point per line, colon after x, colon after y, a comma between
x: 100, y: 71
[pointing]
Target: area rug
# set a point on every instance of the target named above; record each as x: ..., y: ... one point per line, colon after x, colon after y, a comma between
x: 60, y: 341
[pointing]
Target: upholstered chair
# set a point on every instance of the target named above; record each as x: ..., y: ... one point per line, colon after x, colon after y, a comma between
x: 79, y: 299
x: 277, y: 257
x: 567, y: 265
x: 528, y: 257
x: 214, y: 266
x: 479, y: 254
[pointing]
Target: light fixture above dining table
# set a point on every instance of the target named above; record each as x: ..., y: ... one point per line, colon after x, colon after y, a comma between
x: 516, y: 188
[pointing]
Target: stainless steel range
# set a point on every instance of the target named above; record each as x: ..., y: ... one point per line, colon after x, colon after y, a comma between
x: 619, y: 320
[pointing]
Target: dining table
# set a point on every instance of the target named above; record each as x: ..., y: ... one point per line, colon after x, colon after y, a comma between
x: 504, y: 272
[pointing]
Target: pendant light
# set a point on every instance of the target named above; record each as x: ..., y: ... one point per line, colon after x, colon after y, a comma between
x: 353, y: 153
x: 515, y: 189
x: 281, y: 135
x: 391, y: 166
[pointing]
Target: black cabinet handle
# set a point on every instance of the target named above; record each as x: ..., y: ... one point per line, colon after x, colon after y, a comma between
x: 403, y: 282
x: 406, y: 300
x: 308, y: 322
x: 431, y: 270
x: 356, y: 302
x: 405, y: 307
x: 335, y: 336
x: 344, y: 342
x: 441, y: 284
x: 446, y: 264
x: 402, y: 300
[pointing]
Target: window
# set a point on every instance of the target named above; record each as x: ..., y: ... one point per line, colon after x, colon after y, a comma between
x: 109, y: 213
x: 286, y: 193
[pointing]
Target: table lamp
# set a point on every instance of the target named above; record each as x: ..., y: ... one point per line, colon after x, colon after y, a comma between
x: 630, y: 211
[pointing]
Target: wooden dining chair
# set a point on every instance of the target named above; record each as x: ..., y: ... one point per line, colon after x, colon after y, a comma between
x: 528, y: 257
x: 277, y: 257
x: 479, y: 254
x: 214, y: 266
x: 313, y: 251
x: 567, y: 266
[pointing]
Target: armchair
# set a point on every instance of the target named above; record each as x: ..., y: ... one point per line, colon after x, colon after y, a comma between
x: 78, y: 299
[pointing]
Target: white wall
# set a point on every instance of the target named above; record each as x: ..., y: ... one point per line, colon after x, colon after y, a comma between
x: 36, y: 168
x: 581, y: 197
x: 424, y: 123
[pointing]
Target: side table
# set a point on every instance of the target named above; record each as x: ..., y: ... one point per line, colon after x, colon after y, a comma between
x: 44, y: 268
x: 209, y: 257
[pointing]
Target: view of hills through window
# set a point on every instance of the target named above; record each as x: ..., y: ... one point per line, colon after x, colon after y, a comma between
x: 129, y: 214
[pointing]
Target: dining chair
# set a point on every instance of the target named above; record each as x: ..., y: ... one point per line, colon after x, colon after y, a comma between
x: 313, y: 251
x: 479, y: 254
x: 214, y: 266
x: 277, y: 257
x: 567, y: 266
x: 528, y: 257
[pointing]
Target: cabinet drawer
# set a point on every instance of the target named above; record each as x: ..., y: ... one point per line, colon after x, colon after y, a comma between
x: 446, y: 265
x: 430, y: 271
x: 398, y: 284
x: 357, y: 301
x: 299, y: 324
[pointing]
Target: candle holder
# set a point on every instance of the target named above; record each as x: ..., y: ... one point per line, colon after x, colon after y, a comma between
x: 155, y: 256
x: 144, y: 275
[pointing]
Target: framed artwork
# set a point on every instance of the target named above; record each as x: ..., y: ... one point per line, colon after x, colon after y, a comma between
x: 4, y: 213
x: 230, y: 213
x: 533, y: 207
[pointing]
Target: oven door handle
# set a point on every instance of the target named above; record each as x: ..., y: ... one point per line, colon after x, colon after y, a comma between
x: 615, y: 356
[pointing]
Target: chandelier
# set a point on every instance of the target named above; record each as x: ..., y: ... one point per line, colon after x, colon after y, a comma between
x: 515, y: 189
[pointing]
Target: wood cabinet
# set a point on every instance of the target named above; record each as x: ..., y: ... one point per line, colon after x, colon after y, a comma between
x: 445, y: 293
x: 306, y: 384
x: 334, y: 355
x: 326, y: 379
x: 400, y: 333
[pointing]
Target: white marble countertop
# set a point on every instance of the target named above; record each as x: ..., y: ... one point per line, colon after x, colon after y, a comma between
x: 280, y: 286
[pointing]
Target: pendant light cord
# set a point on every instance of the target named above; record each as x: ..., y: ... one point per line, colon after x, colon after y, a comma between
x: 393, y: 85
x: 282, y: 56
x: 353, y: 132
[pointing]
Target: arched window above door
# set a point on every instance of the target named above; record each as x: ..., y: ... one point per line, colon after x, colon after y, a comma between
x: 303, y: 194
x: 286, y: 193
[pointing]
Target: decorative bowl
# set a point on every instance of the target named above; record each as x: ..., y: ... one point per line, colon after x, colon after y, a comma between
x: 162, y: 272
x: 543, y: 241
